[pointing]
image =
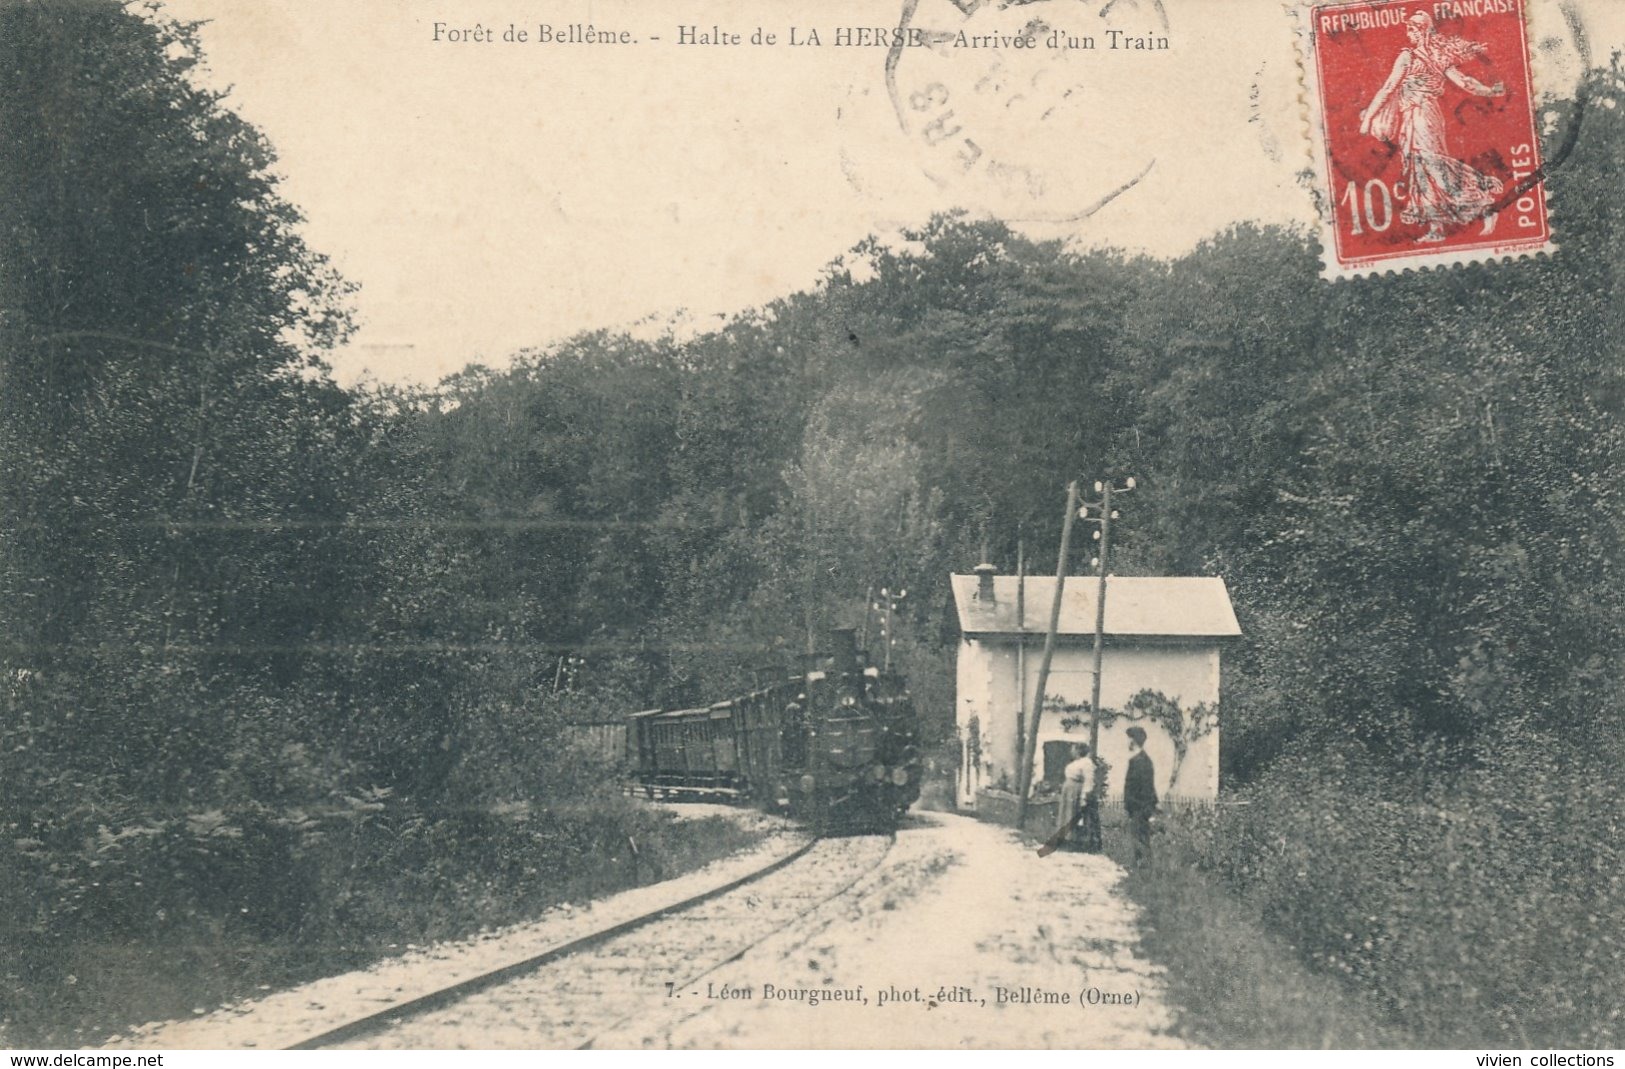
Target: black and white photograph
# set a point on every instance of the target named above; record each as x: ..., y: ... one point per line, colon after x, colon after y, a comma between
x: 882, y: 524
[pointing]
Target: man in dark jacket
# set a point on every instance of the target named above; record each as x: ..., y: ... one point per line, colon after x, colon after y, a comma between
x: 1139, y: 792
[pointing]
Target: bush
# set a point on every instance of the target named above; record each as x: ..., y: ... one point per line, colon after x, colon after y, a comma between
x: 1483, y: 911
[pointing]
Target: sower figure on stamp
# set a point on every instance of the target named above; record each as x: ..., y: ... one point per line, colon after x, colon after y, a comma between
x: 1139, y: 792
x: 1405, y: 112
x: 1080, y: 806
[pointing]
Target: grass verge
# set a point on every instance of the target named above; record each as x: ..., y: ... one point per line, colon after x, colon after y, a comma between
x: 1233, y: 982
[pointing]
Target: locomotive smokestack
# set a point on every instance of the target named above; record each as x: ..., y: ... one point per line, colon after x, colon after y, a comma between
x: 984, y: 582
x: 843, y: 645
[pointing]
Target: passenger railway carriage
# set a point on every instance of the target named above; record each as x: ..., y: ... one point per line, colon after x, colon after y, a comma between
x: 835, y: 746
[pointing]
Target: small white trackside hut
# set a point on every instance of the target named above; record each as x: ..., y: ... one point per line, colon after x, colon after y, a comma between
x: 1159, y: 670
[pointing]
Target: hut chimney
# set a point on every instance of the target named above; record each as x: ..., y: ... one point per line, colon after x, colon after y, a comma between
x: 984, y: 582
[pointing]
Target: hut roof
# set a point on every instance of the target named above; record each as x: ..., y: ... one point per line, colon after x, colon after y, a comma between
x: 1163, y: 607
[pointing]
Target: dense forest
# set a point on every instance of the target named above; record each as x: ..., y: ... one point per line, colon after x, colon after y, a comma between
x: 258, y: 624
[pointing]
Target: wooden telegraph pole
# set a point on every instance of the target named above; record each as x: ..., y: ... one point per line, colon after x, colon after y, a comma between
x: 1100, y: 617
x: 1025, y: 779
x: 1105, y: 489
x: 1021, y: 643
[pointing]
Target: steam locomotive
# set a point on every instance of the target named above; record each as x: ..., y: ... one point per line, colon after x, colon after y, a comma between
x: 835, y: 745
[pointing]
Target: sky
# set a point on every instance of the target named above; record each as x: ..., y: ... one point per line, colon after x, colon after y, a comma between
x: 491, y: 195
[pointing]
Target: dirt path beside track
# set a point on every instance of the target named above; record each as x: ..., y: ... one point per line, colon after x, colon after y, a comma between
x: 972, y: 940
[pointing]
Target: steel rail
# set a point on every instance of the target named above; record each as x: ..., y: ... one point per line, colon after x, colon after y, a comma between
x: 591, y: 1044
x: 461, y: 989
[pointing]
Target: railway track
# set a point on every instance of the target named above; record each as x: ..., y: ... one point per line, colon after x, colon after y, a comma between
x: 583, y: 990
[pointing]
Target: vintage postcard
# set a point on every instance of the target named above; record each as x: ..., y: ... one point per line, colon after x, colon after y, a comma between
x: 907, y: 524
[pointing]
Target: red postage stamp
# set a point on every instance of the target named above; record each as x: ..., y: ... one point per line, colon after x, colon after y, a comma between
x: 1424, y: 123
